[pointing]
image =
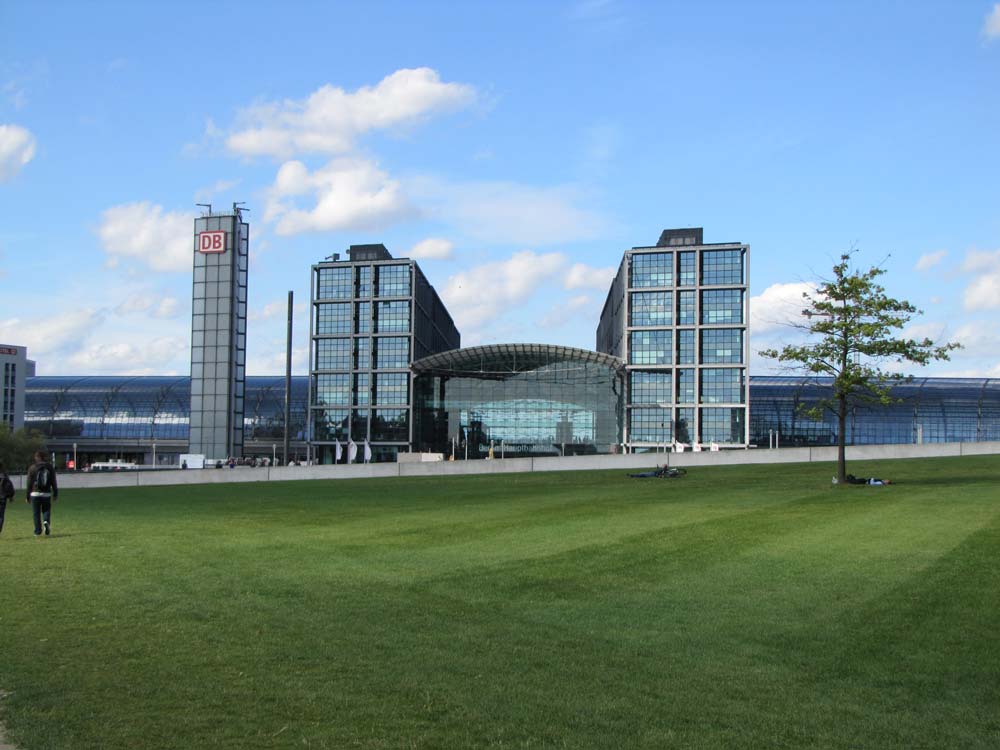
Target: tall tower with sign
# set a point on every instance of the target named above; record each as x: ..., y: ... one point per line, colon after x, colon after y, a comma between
x: 218, y: 333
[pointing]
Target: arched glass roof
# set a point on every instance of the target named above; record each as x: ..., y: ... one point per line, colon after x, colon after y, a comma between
x: 501, y: 361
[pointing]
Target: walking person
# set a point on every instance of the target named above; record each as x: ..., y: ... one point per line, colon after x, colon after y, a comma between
x: 43, y: 490
x: 6, y: 493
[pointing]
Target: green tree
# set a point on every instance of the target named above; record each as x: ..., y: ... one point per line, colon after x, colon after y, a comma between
x: 852, y: 326
x: 17, y: 448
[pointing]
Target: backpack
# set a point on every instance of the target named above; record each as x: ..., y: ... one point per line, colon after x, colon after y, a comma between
x: 43, y: 479
x: 6, y: 488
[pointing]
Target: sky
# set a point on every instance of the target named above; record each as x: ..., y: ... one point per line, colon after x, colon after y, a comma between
x: 515, y: 149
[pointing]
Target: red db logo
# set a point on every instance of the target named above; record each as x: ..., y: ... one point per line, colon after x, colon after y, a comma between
x: 212, y: 242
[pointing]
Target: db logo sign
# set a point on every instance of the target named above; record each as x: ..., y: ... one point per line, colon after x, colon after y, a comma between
x: 212, y: 242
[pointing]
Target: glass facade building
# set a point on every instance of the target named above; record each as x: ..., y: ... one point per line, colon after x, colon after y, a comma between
x: 518, y: 400
x: 15, y: 368
x: 372, y: 315
x: 218, y: 334
x: 677, y: 314
x: 927, y: 410
x: 533, y: 401
x: 123, y: 417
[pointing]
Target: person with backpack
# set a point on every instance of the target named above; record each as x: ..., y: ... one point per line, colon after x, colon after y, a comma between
x: 6, y: 493
x: 43, y: 490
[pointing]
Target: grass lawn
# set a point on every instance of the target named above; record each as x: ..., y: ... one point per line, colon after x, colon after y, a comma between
x: 735, y: 607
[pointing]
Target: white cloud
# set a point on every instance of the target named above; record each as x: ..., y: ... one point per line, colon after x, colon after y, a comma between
x: 124, y: 358
x: 929, y: 260
x: 779, y: 306
x: 49, y: 335
x: 511, y: 213
x: 143, y: 231
x: 349, y: 194
x: 17, y: 148
x: 582, y: 276
x: 983, y: 293
x: 167, y: 308
x: 477, y: 294
x: 572, y: 309
x: 135, y: 303
x: 205, y: 194
x: 330, y: 119
x: 270, y: 310
x: 433, y: 248
x: 991, y: 26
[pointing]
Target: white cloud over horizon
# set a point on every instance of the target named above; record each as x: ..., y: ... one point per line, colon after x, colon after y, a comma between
x: 983, y: 291
x: 330, y: 119
x: 991, y: 25
x: 17, y: 148
x: 144, y: 232
x: 582, y: 276
x: 347, y: 194
x: 432, y: 248
x: 506, y: 212
x: 477, y: 294
x: 779, y: 306
x: 929, y: 260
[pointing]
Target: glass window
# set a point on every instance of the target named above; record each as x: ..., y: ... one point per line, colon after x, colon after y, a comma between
x: 686, y: 268
x: 721, y: 346
x: 359, y: 428
x: 363, y: 316
x: 722, y: 267
x: 685, y: 347
x: 362, y: 389
x: 651, y: 308
x: 330, y: 424
x: 332, y: 390
x: 333, y: 317
x: 721, y: 306
x: 392, y: 281
x: 392, y: 351
x: 333, y: 354
x: 390, y: 425
x: 684, y: 425
x: 363, y: 281
x: 362, y: 353
x: 392, y: 317
x: 652, y: 269
x: 722, y: 425
x: 392, y: 388
x: 654, y: 387
x: 650, y: 426
x: 333, y: 283
x: 723, y: 385
x: 650, y: 347
x: 685, y: 386
x: 685, y: 309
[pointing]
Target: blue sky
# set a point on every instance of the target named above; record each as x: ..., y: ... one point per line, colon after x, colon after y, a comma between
x: 515, y: 148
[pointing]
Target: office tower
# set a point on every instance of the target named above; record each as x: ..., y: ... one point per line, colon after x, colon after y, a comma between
x: 677, y: 313
x: 371, y: 316
x: 218, y: 333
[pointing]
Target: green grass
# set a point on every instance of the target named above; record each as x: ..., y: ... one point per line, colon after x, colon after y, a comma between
x: 736, y: 607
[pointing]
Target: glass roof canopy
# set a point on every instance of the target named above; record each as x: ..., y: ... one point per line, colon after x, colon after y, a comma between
x: 501, y: 361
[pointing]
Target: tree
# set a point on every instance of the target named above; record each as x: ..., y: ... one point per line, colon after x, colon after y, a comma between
x: 18, y: 447
x: 851, y: 322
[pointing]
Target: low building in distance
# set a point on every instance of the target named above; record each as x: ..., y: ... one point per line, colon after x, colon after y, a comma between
x: 16, y: 369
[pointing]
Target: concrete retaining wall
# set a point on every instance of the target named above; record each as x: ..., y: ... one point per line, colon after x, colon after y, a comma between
x: 513, y: 465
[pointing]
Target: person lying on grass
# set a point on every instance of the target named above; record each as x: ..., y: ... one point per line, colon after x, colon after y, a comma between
x: 660, y: 472
x: 875, y: 481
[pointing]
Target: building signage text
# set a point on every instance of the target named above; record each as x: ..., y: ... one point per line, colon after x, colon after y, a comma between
x: 212, y: 242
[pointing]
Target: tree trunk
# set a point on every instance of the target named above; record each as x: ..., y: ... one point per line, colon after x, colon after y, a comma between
x: 842, y: 440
